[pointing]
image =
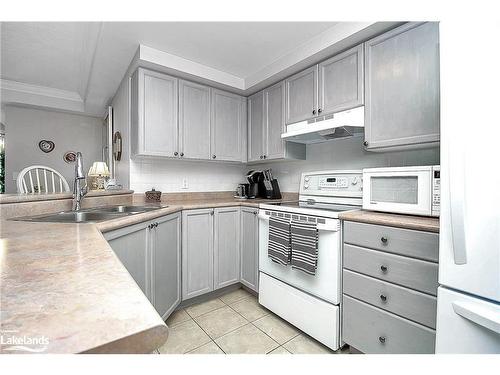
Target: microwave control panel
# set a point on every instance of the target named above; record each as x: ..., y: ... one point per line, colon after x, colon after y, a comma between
x: 436, y: 190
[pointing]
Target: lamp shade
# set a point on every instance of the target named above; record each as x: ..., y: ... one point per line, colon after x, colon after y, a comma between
x: 99, y: 168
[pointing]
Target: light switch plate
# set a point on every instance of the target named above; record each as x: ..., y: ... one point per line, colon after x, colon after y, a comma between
x: 184, y: 183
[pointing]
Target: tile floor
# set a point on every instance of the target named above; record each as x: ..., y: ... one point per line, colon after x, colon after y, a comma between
x: 235, y: 323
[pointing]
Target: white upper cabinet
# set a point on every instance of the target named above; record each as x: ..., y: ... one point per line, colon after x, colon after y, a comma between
x: 154, y: 114
x: 402, y: 88
x: 194, y: 120
x: 302, y: 95
x: 228, y: 126
x: 255, y: 124
x: 341, y: 82
x: 266, y: 123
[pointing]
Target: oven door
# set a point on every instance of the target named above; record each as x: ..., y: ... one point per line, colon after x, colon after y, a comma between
x: 406, y: 192
x: 325, y: 284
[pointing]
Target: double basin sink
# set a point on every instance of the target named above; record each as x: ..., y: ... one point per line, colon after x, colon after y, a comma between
x: 91, y: 215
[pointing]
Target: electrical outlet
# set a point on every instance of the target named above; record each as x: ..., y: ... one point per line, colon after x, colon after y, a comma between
x: 184, y: 183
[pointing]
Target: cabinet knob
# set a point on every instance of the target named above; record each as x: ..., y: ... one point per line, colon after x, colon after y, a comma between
x: 319, y: 110
x: 212, y: 213
x: 314, y: 111
x: 182, y: 154
x: 213, y: 156
x: 383, y: 239
x: 255, y: 212
x: 176, y: 153
x: 383, y: 298
x: 381, y: 339
x: 262, y: 156
x: 383, y: 269
x: 265, y: 156
x: 365, y: 143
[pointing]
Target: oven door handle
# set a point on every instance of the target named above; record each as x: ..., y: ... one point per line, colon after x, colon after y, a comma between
x: 332, y: 226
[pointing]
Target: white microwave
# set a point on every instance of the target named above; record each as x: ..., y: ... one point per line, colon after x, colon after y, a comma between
x: 404, y: 190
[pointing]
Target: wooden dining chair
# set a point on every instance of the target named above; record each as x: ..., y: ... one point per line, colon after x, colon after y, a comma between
x: 41, y: 179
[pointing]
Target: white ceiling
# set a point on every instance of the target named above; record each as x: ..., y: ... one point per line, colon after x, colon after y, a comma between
x: 82, y: 64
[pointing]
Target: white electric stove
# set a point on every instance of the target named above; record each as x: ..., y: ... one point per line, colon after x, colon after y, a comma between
x: 311, y: 303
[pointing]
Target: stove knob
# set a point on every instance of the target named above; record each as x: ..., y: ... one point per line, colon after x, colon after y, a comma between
x: 306, y: 179
x: 306, y: 186
x: 354, y: 181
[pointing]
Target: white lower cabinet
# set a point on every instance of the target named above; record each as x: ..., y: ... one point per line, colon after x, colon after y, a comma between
x: 210, y: 250
x: 249, y: 239
x: 151, y: 253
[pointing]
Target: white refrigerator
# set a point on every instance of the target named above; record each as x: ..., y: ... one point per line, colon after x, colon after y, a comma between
x: 468, y: 313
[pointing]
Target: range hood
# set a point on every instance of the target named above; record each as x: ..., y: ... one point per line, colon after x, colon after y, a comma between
x: 326, y: 128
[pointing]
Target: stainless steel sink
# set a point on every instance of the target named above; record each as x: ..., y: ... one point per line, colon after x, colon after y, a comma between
x: 126, y: 209
x: 91, y: 215
x: 73, y: 217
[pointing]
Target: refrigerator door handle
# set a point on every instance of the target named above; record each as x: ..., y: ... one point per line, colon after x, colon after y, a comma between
x: 457, y: 210
x: 480, y: 315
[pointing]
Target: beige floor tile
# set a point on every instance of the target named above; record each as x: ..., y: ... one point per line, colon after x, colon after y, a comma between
x: 247, y: 340
x: 210, y: 348
x: 184, y: 337
x: 204, y: 307
x: 303, y: 344
x: 221, y: 321
x: 250, y: 309
x: 280, y: 350
x: 235, y: 295
x: 279, y: 330
x: 177, y: 317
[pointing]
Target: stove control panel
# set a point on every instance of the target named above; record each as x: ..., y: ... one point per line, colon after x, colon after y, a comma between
x: 332, y: 183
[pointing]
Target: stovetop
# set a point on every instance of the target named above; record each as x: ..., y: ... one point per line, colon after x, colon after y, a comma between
x: 303, y: 207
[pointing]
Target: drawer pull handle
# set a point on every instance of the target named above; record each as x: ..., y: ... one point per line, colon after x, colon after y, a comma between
x: 381, y: 339
x: 383, y: 297
x: 384, y: 240
x: 383, y: 269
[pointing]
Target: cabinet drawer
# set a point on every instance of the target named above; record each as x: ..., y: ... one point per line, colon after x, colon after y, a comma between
x: 407, y: 303
x: 372, y: 330
x: 413, y: 243
x: 413, y: 273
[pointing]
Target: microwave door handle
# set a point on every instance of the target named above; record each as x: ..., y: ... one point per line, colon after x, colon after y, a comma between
x: 456, y: 190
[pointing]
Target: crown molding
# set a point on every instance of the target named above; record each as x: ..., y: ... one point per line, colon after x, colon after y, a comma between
x: 13, y: 92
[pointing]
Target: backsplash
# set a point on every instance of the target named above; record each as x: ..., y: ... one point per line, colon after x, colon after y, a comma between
x: 168, y: 175
x: 345, y: 154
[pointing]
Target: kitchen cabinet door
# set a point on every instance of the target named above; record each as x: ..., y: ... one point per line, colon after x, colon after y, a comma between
x: 302, y: 95
x: 256, y: 127
x: 402, y: 88
x: 249, y: 233
x: 197, y: 252
x: 228, y: 126
x: 341, y: 81
x: 226, y: 246
x: 194, y: 120
x: 131, y: 246
x: 274, y: 99
x: 166, y: 264
x: 154, y: 123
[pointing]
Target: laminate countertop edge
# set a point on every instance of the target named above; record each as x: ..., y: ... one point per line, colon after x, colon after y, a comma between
x: 423, y: 223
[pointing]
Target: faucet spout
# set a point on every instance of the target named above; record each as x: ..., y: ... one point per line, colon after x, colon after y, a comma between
x: 79, y: 191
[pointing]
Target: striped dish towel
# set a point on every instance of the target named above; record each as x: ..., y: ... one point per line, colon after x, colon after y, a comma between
x: 304, y: 246
x: 278, y: 246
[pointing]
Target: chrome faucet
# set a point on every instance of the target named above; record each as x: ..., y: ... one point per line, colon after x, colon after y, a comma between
x: 79, y: 191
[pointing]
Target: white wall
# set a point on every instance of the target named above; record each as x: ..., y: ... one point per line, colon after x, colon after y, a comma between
x: 345, y: 154
x: 25, y: 127
x: 167, y: 175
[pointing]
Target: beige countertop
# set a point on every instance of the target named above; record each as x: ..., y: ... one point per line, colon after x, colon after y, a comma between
x: 62, y: 281
x: 430, y: 224
x: 19, y: 198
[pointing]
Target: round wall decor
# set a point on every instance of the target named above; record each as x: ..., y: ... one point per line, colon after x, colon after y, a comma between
x: 46, y: 146
x: 69, y: 156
